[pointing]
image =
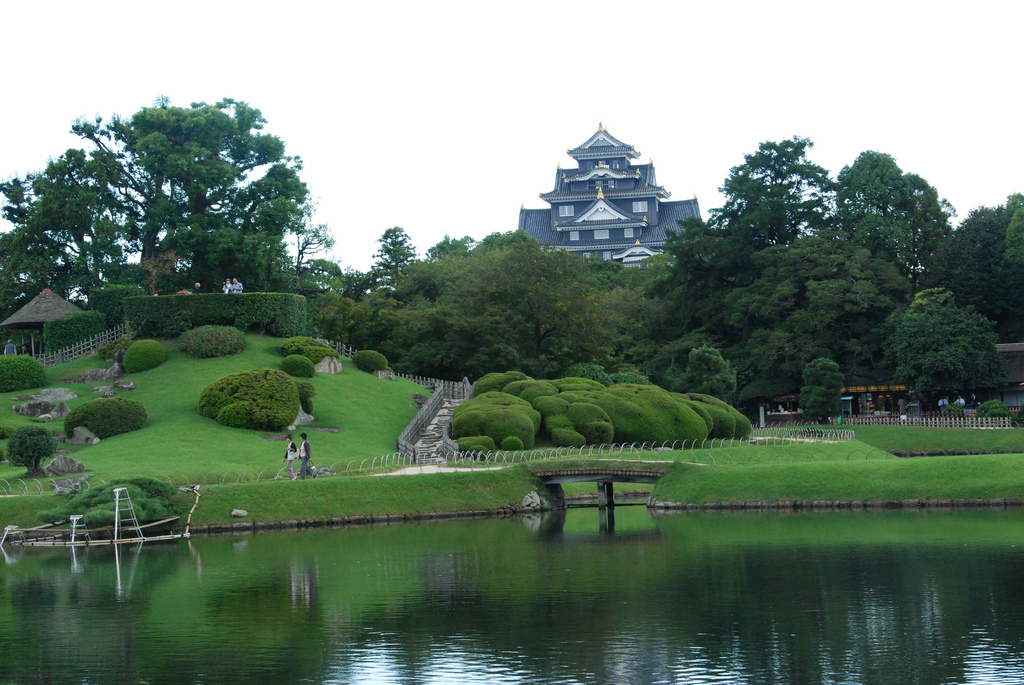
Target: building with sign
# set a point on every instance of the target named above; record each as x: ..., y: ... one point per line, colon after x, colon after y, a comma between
x: 608, y: 207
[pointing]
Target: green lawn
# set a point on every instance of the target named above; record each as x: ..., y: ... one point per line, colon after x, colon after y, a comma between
x: 918, y: 438
x: 177, y: 441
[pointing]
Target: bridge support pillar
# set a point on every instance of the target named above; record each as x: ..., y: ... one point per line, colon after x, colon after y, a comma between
x: 605, y: 494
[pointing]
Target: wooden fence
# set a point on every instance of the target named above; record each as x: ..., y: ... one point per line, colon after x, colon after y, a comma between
x: 81, y: 349
x: 929, y: 421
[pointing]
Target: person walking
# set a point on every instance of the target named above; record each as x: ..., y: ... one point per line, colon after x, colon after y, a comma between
x: 236, y: 286
x: 305, y: 452
x: 290, y: 452
x: 9, y: 348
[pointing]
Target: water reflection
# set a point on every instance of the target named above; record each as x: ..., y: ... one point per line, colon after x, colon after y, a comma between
x: 566, y: 598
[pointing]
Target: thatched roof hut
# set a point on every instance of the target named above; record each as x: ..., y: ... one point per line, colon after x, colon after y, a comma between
x: 46, y: 306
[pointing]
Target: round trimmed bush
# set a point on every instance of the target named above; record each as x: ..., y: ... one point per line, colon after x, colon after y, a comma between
x: 29, y: 445
x: 306, y: 394
x: 531, y: 390
x: 151, y: 499
x: 6, y: 431
x: 576, y: 383
x: 211, y: 341
x: 21, y: 372
x: 594, y: 372
x: 993, y: 409
x: 634, y: 377
x: 496, y: 381
x: 497, y: 415
x: 297, y: 365
x: 269, y: 400
x: 108, y: 350
x: 476, y: 443
x: 144, y: 355
x: 106, y: 417
x: 512, y: 443
x: 369, y: 361
x: 548, y: 406
x: 738, y: 425
x: 310, y: 348
x: 592, y: 422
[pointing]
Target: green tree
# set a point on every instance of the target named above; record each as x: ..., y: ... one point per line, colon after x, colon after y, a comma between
x: 395, y: 253
x: 456, y: 247
x: 935, y: 347
x: 821, y: 395
x: 897, y: 216
x: 311, y: 239
x: 28, y: 446
x: 708, y: 373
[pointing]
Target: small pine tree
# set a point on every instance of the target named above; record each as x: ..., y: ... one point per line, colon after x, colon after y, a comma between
x: 708, y: 373
x: 821, y: 396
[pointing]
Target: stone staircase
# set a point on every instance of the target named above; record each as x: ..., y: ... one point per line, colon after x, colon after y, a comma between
x: 428, y: 446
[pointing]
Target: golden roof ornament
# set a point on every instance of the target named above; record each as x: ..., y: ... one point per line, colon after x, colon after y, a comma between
x: 645, y: 217
x: 600, y: 193
x: 695, y: 196
x: 560, y: 167
x: 522, y: 206
x: 650, y: 160
x: 556, y: 223
x: 637, y: 242
x: 600, y: 126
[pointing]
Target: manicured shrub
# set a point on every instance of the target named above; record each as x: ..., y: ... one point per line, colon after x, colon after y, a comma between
x: 634, y: 377
x: 5, y: 432
x: 110, y: 300
x: 497, y: 381
x: 152, y: 499
x: 577, y: 383
x: 497, y: 415
x: 29, y: 446
x: 476, y: 443
x: 297, y: 365
x: 269, y: 400
x: 740, y: 424
x: 106, y: 417
x: 144, y: 355
x: 21, y: 372
x: 647, y: 413
x: 531, y: 390
x: 279, y: 314
x: 567, y: 437
x: 370, y: 361
x: 108, y: 350
x: 548, y: 406
x: 74, y: 328
x: 211, y: 341
x: 594, y: 372
x: 310, y: 348
x: 306, y: 394
x: 993, y: 409
x: 592, y: 422
x: 512, y: 443
x: 700, y: 408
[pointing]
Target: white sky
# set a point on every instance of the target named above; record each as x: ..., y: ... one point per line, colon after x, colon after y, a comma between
x: 444, y: 117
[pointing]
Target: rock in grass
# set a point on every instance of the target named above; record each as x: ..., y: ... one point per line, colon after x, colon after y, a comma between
x: 238, y: 513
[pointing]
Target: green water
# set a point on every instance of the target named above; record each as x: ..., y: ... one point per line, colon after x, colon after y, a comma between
x: 849, y: 597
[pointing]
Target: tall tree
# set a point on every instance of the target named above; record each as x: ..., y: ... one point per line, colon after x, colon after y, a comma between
x: 395, y: 253
x: 936, y: 347
x: 708, y: 373
x: 896, y: 216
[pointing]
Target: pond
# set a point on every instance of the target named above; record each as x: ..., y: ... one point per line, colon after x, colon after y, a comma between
x: 815, y: 597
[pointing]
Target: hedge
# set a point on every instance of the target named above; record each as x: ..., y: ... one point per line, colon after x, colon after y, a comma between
x: 21, y: 372
x: 278, y: 314
x: 211, y: 341
x: 497, y: 381
x: 263, y: 399
x: 110, y: 300
x: 74, y: 328
x: 108, y: 416
x: 496, y: 415
x: 144, y: 355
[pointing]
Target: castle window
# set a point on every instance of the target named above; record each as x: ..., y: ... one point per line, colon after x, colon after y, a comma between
x: 640, y: 206
x: 607, y: 255
x: 594, y: 185
x: 628, y: 232
x: 574, y: 235
x: 586, y: 254
x: 601, y: 234
x: 611, y: 184
x: 565, y: 210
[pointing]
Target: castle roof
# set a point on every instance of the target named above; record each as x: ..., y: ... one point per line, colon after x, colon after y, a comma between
x: 602, y: 144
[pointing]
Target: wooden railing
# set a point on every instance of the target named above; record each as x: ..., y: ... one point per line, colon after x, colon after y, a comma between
x: 84, y: 348
x: 929, y: 421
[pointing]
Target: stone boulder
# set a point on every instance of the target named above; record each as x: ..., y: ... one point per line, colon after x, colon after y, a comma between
x: 531, y: 501
x: 239, y: 513
x: 386, y: 374
x: 108, y: 393
x: 36, y: 408
x: 63, y: 466
x: 102, y: 375
x: 102, y: 388
x: 45, y: 418
x: 82, y: 436
x: 125, y: 385
x: 60, y: 410
x: 328, y: 365
x: 55, y: 394
x: 418, y: 400
x: 320, y: 471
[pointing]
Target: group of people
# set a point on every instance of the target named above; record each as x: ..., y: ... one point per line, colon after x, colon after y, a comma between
x: 231, y: 285
x: 303, y: 452
x: 9, y: 348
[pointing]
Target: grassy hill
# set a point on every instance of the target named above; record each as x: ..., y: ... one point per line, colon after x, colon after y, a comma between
x: 371, y: 413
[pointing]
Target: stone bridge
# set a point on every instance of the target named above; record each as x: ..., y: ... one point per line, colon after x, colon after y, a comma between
x: 553, y: 476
